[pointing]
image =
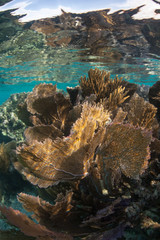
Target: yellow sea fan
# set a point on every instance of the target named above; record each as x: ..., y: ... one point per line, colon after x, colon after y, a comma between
x: 125, y: 150
x: 48, y: 162
x: 92, y: 118
x: 140, y: 112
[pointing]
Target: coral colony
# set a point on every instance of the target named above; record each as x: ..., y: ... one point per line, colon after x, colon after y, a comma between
x: 94, y: 152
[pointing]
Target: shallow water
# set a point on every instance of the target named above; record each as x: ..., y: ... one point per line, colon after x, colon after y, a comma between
x: 64, y: 67
x: 25, y: 61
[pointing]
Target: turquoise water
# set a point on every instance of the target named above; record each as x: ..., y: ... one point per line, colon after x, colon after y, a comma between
x: 64, y: 67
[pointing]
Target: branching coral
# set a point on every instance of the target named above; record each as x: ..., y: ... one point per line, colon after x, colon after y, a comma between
x: 112, y: 92
x: 115, y: 98
x: 99, y: 83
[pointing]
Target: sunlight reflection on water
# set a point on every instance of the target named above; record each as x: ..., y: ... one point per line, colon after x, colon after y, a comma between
x: 66, y: 66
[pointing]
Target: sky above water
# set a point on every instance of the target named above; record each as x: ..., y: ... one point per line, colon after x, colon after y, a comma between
x: 36, y: 9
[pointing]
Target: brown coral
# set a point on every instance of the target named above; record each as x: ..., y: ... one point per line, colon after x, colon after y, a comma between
x: 140, y: 112
x: 52, y: 216
x: 125, y: 150
x: 29, y: 227
x: 154, y: 93
x: 109, y: 167
x: 41, y: 132
x: 48, y: 105
x: 48, y: 162
x: 6, y: 155
x: 99, y: 83
x: 115, y: 98
x: 112, y: 92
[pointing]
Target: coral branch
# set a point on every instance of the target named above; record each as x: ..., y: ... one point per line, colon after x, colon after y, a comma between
x: 30, y: 228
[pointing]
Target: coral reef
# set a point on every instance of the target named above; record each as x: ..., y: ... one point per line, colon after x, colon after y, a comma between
x: 6, y: 155
x: 99, y: 83
x: 153, y: 94
x: 61, y: 154
x: 140, y: 112
x: 11, y: 125
x: 112, y: 92
x: 94, y: 158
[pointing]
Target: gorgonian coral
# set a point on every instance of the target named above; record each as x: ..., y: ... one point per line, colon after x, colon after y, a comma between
x: 99, y: 83
x: 100, y: 159
x: 49, y: 162
x: 48, y: 105
x: 140, y: 112
x: 112, y: 91
x: 125, y: 150
x: 29, y: 227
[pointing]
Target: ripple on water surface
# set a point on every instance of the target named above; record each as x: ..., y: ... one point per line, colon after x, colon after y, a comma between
x: 64, y: 67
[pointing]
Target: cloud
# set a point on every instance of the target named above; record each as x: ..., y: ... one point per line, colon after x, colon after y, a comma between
x: 23, y: 8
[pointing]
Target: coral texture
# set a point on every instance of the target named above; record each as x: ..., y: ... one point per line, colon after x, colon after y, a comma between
x: 99, y: 83
x: 49, y: 162
x: 50, y: 106
x: 6, y: 155
x: 140, y: 112
x: 125, y: 150
x: 95, y: 164
x: 29, y: 227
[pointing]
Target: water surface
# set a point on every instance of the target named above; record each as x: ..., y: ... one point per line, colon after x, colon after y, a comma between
x: 65, y: 66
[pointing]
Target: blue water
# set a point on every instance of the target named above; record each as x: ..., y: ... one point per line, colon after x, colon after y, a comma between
x: 65, y: 70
